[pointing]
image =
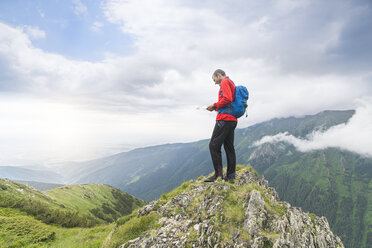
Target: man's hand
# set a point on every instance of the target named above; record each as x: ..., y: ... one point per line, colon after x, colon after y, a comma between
x: 211, y: 108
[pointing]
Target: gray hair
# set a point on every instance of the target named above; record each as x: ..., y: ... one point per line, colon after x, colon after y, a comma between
x: 218, y: 71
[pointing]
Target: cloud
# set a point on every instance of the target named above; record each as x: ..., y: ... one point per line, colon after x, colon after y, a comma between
x: 117, y: 83
x: 79, y: 7
x: 178, y: 44
x: 34, y: 33
x: 96, y: 27
x: 298, y: 37
x: 352, y: 45
x: 354, y: 136
x: 280, y: 49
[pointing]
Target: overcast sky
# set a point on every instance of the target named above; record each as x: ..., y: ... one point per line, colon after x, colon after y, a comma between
x: 82, y: 79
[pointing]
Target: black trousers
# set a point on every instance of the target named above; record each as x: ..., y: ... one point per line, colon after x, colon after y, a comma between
x: 223, y: 134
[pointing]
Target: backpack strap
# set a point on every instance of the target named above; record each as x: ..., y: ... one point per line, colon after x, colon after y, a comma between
x: 233, y: 84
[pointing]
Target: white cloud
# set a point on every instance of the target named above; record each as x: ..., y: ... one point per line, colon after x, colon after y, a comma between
x: 96, y: 27
x: 35, y: 33
x: 354, y: 136
x: 79, y: 7
x: 294, y: 36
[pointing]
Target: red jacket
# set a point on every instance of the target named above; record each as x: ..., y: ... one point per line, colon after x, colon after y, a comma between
x: 227, y: 96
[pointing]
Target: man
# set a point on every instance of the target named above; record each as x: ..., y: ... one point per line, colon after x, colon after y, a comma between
x: 223, y: 132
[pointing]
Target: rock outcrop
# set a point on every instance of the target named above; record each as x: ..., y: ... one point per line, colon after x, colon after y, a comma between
x: 220, y: 214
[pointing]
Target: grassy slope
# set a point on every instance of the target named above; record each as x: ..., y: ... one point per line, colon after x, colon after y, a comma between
x: 42, y: 207
x: 17, y: 229
x: 19, y: 190
x: 99, y: 200
x: 20, y: 228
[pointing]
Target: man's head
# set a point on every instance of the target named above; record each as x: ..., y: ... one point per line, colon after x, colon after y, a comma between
x: 218, y: 76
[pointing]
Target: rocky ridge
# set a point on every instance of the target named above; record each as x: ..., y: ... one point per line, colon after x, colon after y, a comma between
x: 245, y: 214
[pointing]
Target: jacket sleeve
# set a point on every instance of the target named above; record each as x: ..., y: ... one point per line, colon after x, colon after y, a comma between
x: 227, y: 95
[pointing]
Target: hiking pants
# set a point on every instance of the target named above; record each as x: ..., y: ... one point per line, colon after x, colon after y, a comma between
x: 223, y: 133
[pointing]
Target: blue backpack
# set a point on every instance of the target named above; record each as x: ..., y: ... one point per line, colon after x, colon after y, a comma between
x: 238, y: 107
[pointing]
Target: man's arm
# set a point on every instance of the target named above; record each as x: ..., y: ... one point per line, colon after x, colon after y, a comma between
x: 227, y: 95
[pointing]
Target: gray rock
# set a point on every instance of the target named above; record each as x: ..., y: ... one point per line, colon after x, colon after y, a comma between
x: 147, y: 209
x: 255, y: 214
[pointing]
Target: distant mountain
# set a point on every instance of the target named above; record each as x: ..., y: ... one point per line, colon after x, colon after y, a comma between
x: 40, y: 186
x: 28, y: 174
x: 219, y: 214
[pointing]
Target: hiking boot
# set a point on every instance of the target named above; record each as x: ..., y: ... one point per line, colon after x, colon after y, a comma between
x: 211, y: 179
x: 229, y: 179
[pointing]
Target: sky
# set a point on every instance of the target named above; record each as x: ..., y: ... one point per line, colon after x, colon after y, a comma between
x: 83, y: 79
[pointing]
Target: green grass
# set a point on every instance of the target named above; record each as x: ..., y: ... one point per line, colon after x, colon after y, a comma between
x: 101, y: 201
x: 24, y: 231
x: 32, y: 202
x: 10, y: 212
x: 133, y: 228
x: 81, y: 237
x: 312, y: 217
x: 29, y: 218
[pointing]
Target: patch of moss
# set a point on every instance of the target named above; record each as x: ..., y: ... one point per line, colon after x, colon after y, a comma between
x: 270, y: 235
x: 312, y: 217
x: 193, y: 237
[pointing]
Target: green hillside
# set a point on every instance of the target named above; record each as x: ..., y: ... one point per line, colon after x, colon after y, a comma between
x: 101, y: 201
x: 42, y: 207
x: 78, y: 218
x: 21, y: 231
